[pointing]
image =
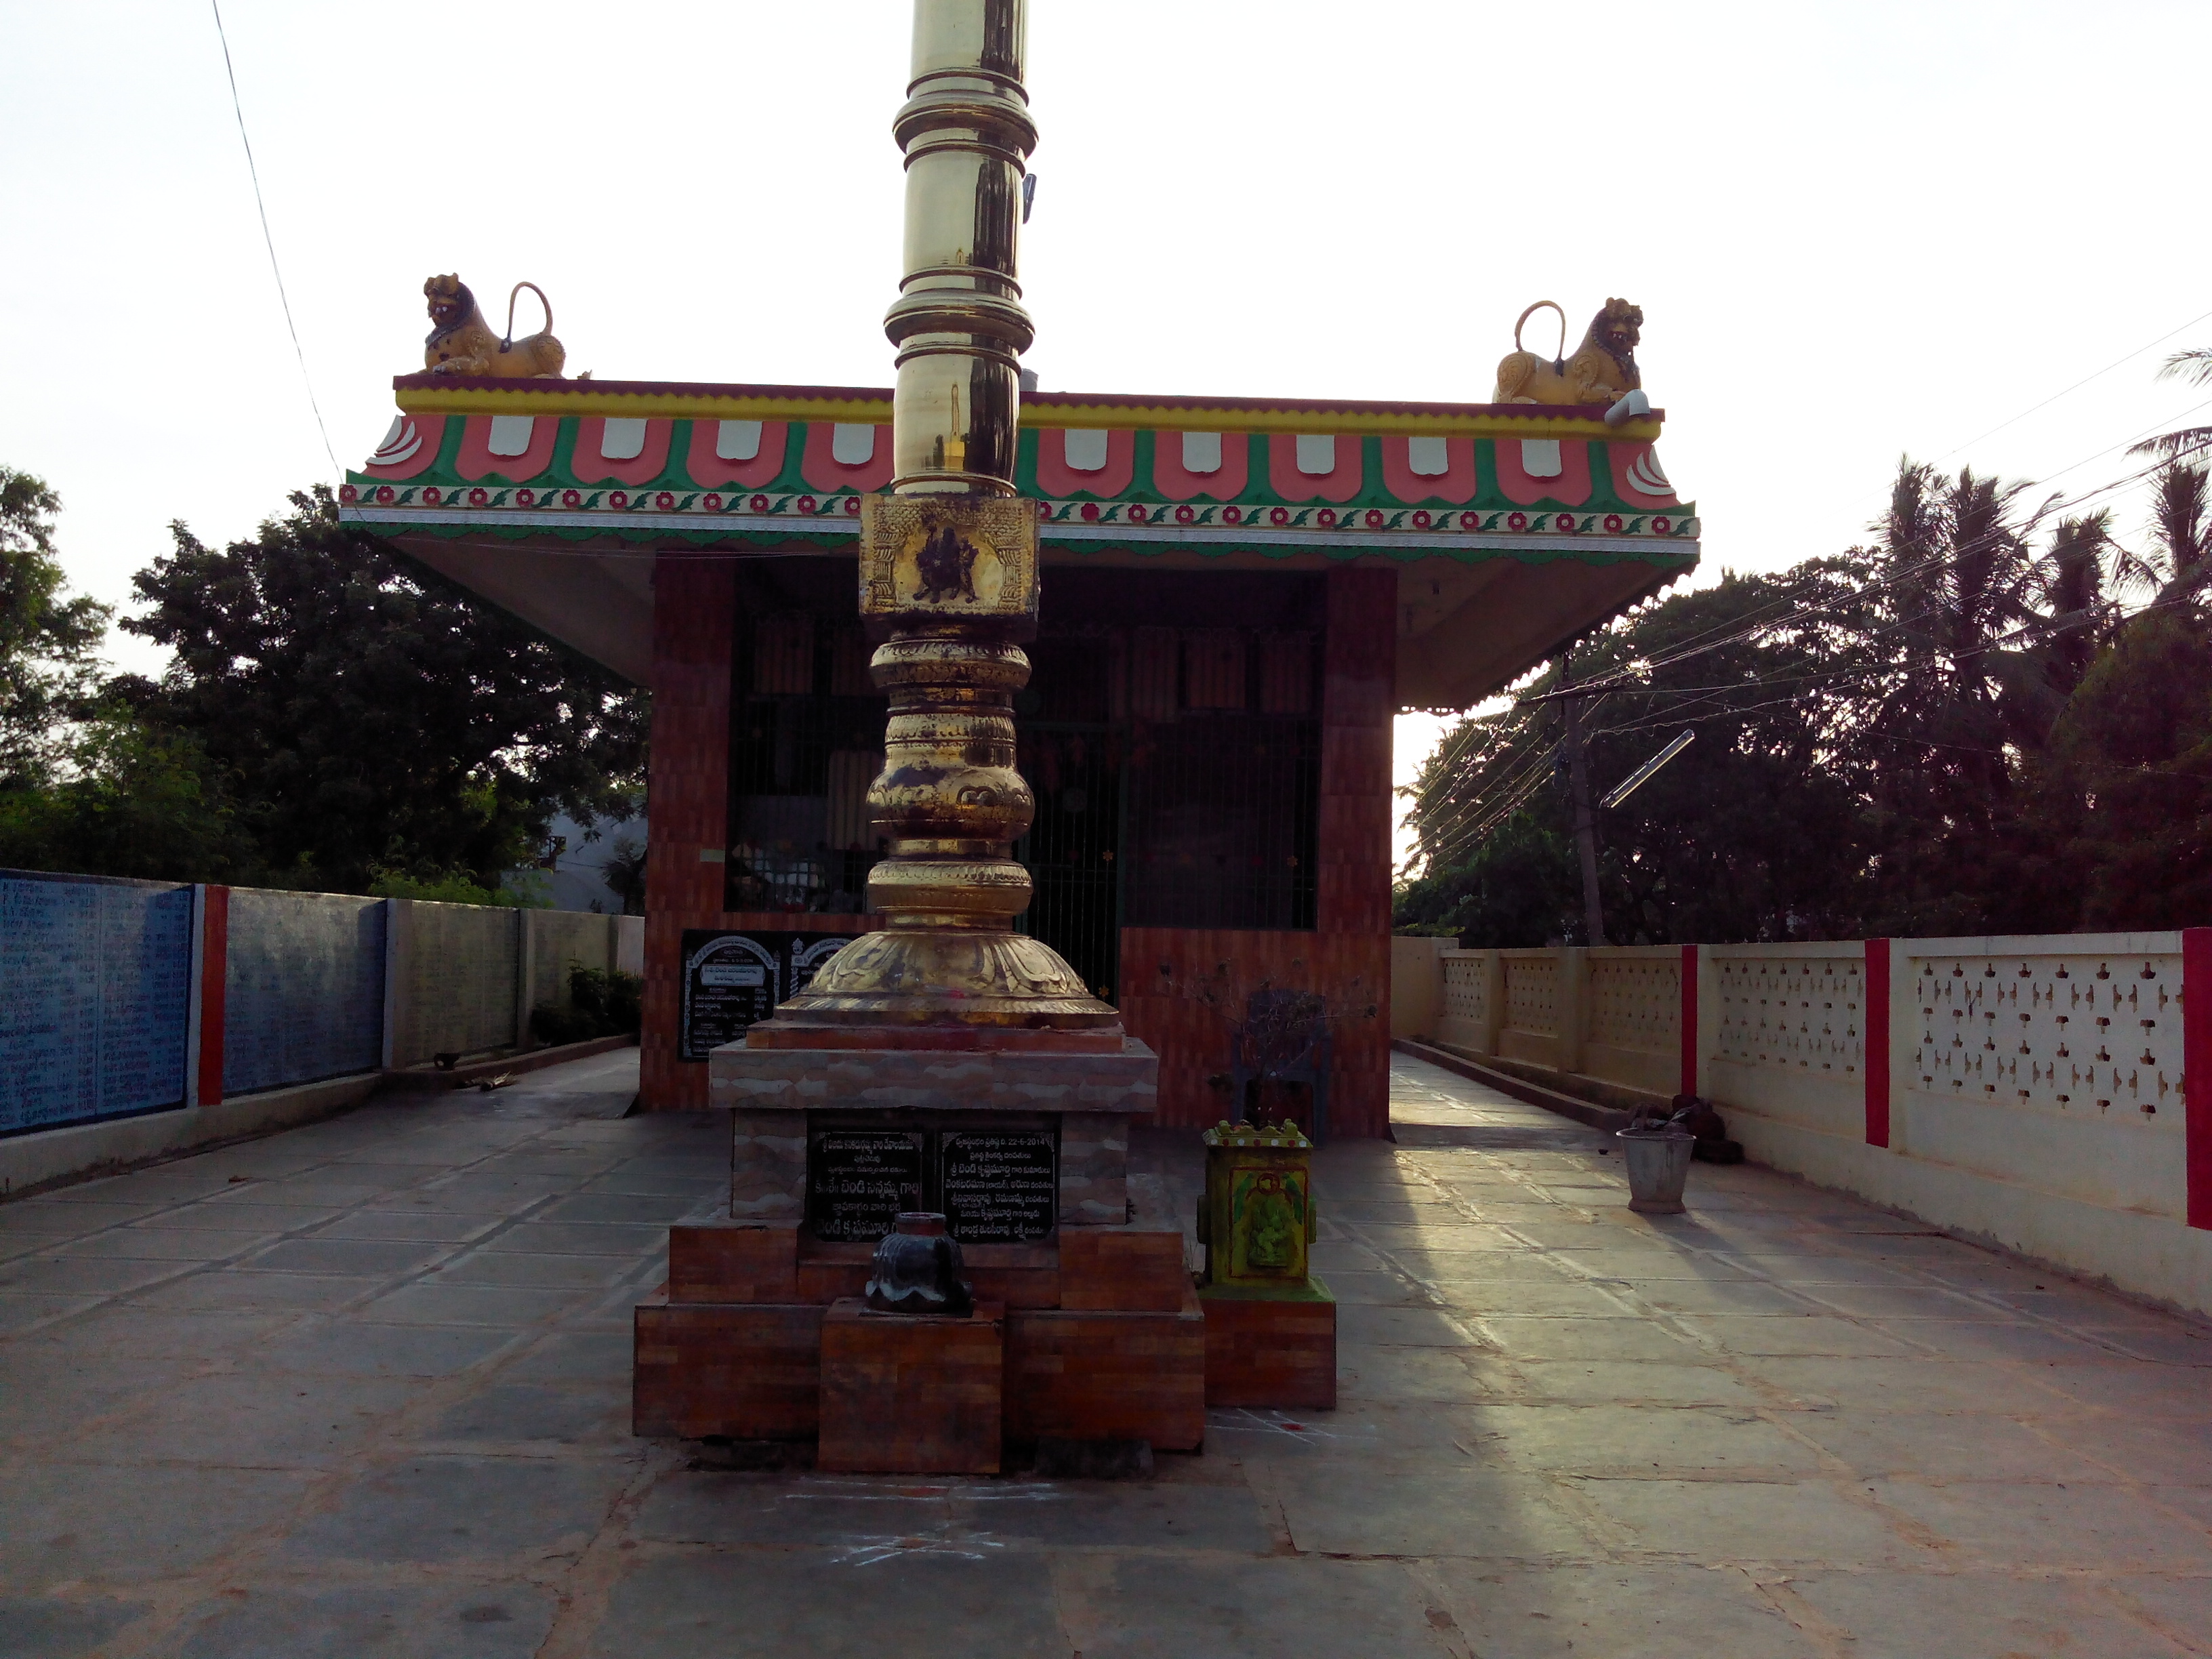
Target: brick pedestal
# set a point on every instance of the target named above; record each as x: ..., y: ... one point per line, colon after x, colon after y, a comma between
x: 1087, y: 1375
x: 1094, y: 1334
x: 752, y: 1372
x: 1270, y: 1349
x: 907, y: 1395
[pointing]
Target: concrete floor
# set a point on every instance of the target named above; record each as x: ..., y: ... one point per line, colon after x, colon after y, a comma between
x: 363, y: 1389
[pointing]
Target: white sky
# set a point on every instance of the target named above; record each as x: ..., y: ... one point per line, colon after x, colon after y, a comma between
x: 1856, y: 229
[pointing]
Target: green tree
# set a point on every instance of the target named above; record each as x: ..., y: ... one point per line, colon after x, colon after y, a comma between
x: 49, y: 644
x: 2128, y: 795
x: 2180, y: 560
x: 126, y: 801
x: 1518, y: 884
x: 1939, y: 733
x: 371, y: 721
x: 1755, y: 831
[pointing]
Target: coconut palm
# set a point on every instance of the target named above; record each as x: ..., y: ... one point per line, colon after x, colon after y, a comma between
x: 2196, y: 368
x: 2069, y: 585
x: 1953, y: 556
x: 2180, y: 554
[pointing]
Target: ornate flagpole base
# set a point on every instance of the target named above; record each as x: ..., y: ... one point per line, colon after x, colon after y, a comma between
x: 953, y: 581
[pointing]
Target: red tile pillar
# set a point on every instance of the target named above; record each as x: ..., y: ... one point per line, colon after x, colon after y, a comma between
x: 687, y: 800
x: 2197, y: 1070
x: 213, y: 969
x: 1875, y: 1043
x: 1352, y: 909
x: 1688, y: 1084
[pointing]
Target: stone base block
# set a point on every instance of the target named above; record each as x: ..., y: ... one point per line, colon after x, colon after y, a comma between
x: 1097, y: 1376
x: 1019, y: 1275
x: 731, y: 1262
x: 1122, y: 1269
x: 907, y: 1395
x: 768, y: 1166
x: 786, y: 1033
x: 1269, y: 1349
x: 752, y: 1372
x: 769, y: 1092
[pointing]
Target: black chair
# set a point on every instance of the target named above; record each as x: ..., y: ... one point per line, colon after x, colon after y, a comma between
x: 1284, y: 1038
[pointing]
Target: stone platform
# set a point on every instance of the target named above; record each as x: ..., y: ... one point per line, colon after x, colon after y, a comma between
x: 773, y: 1092
x: 1104, y: 1338
x: 364, y: 1386
x: 1098, y: 1334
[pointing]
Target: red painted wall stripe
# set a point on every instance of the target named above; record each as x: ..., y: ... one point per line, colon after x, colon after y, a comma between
x: 215, y: 963
x: 2196, y: 1070
x: 1875, y: 1044
x: 1689, y: 1019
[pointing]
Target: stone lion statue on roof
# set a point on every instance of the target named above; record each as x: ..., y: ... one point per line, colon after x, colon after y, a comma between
x: 1602, y: 370
x: 461, y: 342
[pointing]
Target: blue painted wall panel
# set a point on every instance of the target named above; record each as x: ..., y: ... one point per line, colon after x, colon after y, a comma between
x: 303, y: 999
x: 96, y: 987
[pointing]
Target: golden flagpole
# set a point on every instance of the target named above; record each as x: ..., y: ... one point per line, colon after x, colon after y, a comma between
x: 948, y: 570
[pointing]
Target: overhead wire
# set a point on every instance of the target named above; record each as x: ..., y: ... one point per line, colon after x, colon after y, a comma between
x: 1456, y: 834
x: 2076, y: 386
x: 1699, y: 645
x: 262, y: 207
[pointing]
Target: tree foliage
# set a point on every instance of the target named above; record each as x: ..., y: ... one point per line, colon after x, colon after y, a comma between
x: 125, y: 800
x: 369, y: 720
x: 334, y: 717
x: 49, y: 644
x: 1959, y: 728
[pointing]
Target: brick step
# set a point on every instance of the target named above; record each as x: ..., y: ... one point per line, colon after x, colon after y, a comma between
x: 1117, y: 1269
x: 757, y: 1371
x: 1265, y: 1351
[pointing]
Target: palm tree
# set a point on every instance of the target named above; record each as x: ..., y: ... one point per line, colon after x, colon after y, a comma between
x: 1954, y: 558
x: 2067, y: 582
x: 2196, y: 368
x: 2181, y: 534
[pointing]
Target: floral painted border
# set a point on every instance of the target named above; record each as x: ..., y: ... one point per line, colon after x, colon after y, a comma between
x: 824, y: 511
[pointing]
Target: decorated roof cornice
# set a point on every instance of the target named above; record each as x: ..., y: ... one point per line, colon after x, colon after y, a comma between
x: 754, y: 467
x: 441, y: 394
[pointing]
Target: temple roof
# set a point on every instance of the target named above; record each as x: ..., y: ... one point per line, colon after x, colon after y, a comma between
x: 1513, y: 527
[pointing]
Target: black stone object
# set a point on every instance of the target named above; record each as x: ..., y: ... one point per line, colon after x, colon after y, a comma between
x: 1093, y: 1460
x: 917, y: 1270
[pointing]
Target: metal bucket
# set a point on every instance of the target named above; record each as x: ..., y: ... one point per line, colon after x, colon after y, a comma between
x: 1658, y: 1164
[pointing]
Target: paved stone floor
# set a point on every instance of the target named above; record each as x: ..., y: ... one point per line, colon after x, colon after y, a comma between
x: 361, y: 1388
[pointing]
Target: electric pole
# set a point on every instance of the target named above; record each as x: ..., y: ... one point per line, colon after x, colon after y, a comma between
x: 1579, y: 792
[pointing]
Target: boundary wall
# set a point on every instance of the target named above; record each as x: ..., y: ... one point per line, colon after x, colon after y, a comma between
x: 2049, y: 1093
x: 142, y: 1017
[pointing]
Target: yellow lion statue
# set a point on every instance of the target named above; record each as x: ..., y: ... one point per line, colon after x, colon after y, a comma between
x: 1602, y: 371
x: 461, y: 342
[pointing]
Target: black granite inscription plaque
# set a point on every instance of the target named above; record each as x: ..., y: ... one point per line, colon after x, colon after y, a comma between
x: 804, y: 954
x: 730, y: 980
x: 858, y: 1180
x: 999, y: 1186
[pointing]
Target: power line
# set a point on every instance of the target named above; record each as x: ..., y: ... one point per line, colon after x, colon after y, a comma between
x: 1453, y: 834
x: 1765, y: 623
x: 2076, y: 386
x: 1449, y: 835
x: 284, y: 299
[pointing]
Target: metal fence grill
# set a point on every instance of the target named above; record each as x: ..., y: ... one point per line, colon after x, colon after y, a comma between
x: 1075, y: 771
x: 1222, y: 821
x: 1169, y: 736
x: 806, y: 736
